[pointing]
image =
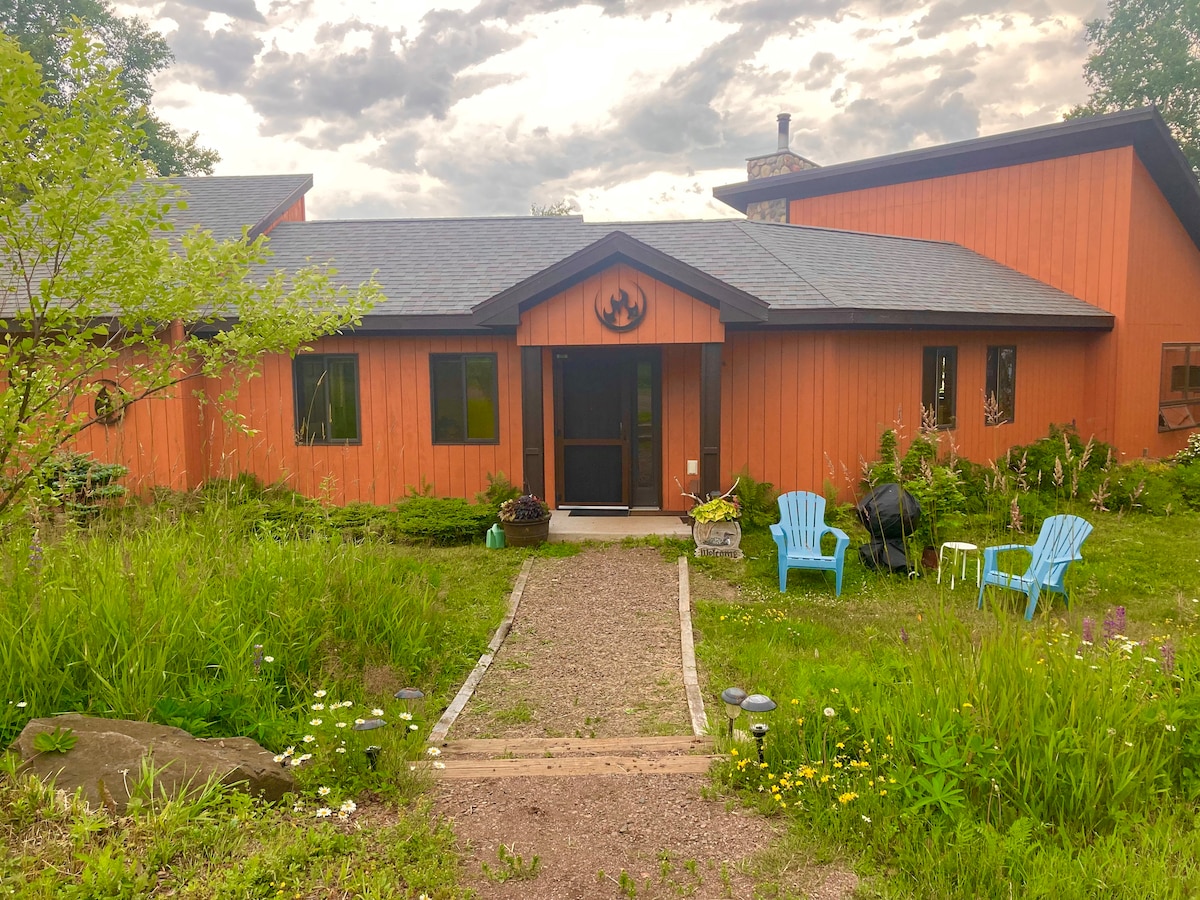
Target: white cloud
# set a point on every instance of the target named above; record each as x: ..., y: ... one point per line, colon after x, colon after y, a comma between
x: 485, y: 106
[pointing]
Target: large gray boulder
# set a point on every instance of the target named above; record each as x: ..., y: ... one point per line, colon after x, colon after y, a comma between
x: 106, y: 760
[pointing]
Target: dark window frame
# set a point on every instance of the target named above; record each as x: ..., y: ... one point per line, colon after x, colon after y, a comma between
x: 929, y: 390
x: 303, y: 439
x: 994, y: 388
x: 463, y: 358
x: 1181, y: 411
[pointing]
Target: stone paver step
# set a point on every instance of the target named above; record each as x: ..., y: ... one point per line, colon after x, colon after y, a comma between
x: 573, y: 766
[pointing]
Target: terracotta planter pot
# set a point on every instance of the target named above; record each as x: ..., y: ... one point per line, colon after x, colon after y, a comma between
x: 526, y: 534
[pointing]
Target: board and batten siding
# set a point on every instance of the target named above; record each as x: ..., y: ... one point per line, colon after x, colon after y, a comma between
x: 569, y: 318
x: 799, y: 408
x: 397, y: 450
x: 1063, y: 221
x: 1163, y: 306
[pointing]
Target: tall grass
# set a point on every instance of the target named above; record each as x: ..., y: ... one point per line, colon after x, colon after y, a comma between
x: 968, y: 753
x: 177, y: 621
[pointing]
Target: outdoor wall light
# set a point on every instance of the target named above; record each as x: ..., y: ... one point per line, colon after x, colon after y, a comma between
x: 733, y: 697
x: 759, y: 730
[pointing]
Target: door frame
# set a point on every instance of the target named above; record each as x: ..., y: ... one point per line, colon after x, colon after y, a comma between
x: 627, y: 358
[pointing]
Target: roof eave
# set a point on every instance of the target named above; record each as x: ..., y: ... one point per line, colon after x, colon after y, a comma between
x: 847, y: 317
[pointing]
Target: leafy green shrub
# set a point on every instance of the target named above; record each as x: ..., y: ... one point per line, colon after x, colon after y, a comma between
x: 757, y: 501
x: 443, y: 521
x: 79, y: 485
x: 1144, y: 486
x: 1187, y: 479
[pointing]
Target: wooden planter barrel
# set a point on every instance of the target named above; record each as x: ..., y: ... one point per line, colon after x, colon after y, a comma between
x: 526, y: 534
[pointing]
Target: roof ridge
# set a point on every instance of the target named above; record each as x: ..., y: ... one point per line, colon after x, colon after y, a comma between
x: 437, y: 219
x: 787, y: 265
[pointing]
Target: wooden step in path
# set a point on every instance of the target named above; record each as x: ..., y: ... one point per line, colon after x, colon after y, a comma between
x: 520, y: 757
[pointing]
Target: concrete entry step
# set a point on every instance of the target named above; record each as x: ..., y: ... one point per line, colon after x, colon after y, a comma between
x: 574, y: 766
x: 502, y: 748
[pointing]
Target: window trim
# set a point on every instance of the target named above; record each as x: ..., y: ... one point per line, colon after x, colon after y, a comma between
x: 991, y: 383
x: 462, y: 358
x: 1191, y: 396
x: 929, y: 360
x: 298, y: 412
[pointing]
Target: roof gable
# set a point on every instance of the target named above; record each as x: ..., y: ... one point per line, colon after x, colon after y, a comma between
x: 1143, y: 129
x: 614, y: 248
x: 225, y: 204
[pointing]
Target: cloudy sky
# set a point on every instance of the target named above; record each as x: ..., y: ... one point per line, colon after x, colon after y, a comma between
x: 632, y: 109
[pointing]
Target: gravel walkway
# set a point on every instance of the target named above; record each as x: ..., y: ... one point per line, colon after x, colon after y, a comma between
x: 594, y: 653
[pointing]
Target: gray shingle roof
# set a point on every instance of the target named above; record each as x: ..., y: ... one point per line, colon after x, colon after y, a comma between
x: 224, y: 204
x: 447, y: 266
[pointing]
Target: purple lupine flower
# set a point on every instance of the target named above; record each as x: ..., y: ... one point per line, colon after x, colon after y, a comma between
x: 1114, y: 623
x: 1089, y: 629
x: 35, y: 550
x: 258, y: 656
x: 904, y: 635
x: 1167, y: 651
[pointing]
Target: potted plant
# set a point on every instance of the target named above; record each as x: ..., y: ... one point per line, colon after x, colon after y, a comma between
x: 715, y: 525
x: 525, y: 520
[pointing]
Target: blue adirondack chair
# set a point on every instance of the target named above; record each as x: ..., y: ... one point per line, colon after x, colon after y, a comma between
x: 798, y: 536
x: 1056, y: 548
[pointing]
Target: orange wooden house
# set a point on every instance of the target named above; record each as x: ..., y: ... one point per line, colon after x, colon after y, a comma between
x: 1002, y: 285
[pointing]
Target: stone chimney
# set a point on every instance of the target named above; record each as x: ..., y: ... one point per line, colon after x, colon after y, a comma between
x: 782, y: 162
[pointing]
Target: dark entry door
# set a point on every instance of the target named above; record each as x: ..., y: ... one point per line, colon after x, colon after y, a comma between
x: 606, y: 427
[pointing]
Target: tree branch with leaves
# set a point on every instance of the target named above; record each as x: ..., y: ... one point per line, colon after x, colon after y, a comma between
x: 94, y: 281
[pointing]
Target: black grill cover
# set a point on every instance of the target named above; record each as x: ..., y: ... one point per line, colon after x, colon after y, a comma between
x: 889, y: 511
x: 887, y: 554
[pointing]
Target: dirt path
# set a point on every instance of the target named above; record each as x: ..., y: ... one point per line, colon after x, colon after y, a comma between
x: 594, y: 653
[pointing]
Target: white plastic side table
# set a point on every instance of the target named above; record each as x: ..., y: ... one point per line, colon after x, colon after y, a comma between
x: 960, y: 551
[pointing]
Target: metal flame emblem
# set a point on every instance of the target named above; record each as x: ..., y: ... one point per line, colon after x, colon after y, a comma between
x: 620, y: 312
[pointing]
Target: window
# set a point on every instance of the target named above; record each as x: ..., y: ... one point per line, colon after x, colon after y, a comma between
x: 326, y: 398
x: 465, y: 405
x: 1000, y: 394
x: 939, y: 386
x: 1179, y: 387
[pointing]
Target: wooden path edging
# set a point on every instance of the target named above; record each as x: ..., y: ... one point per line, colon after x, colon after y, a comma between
x: 691, y: 682
x: 442, y: 728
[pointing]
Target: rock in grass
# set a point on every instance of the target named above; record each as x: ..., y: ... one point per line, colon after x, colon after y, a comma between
x: 106, y: 760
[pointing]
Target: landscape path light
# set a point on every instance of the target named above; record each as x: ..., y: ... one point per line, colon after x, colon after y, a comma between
x: 759, y: 703
x: 373, y: 750
x: 733, y: 697
x: 411, y: 697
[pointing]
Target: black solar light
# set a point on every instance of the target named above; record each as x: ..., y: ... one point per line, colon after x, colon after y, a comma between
x: 373, y: 750
x: 759, y: 730
x: 758, y: 703
x: 733, y: 697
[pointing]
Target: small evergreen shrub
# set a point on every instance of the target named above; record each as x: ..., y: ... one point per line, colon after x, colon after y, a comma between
x: 442, y: 520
